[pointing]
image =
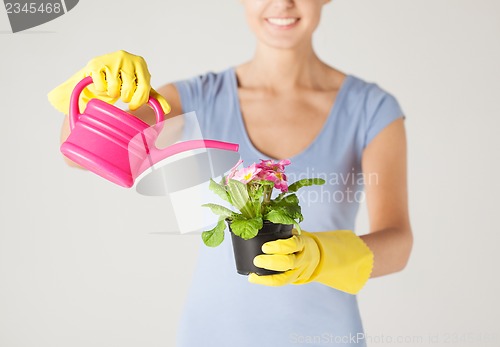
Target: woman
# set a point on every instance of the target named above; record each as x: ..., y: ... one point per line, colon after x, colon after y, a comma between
x: 286, y: 103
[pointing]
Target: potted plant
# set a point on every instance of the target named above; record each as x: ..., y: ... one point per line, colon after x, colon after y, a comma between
x: 256, y: 217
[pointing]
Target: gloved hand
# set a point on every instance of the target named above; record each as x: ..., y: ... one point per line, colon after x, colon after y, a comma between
x: 339, y: 259
x: 115, y: 75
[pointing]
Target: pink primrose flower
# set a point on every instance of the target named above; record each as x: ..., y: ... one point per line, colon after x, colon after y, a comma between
x: 270, y: 165
x: 246, y: 174
x: 233, y: 170
x: 279, y: 179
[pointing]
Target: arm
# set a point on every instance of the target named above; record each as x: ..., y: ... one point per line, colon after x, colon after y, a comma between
x: 144, y: 113
x: 340, y: 259
x: 384, y: 168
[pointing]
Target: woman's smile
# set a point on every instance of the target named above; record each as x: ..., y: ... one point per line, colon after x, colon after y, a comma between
x: 282, y: 22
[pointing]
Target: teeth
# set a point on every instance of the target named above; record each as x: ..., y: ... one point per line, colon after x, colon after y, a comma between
x: 282, y: 21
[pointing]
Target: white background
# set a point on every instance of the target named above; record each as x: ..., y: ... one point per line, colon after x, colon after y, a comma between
x: 80, y: 263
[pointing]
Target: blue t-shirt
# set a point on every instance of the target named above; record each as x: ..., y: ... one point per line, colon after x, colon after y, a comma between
x: 222, y: 307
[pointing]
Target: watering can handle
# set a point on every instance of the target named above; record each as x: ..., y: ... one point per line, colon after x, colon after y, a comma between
x: 74, y: 109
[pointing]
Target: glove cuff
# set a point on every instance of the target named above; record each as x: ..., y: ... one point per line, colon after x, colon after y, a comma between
x: 346, y: 262
x: 60, y: 96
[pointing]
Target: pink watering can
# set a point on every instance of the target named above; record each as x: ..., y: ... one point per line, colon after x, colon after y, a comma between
x: 100, y: 138
x: 120, y: 148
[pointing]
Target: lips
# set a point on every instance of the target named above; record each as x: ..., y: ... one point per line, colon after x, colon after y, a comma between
x: 283, y: 22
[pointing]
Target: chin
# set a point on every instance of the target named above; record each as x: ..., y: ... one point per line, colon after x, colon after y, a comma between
x: 283, y: 43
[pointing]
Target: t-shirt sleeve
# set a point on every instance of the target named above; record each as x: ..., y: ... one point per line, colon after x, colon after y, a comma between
x: 382, y: 109
x: 198, y: 94
x: 190, y: 91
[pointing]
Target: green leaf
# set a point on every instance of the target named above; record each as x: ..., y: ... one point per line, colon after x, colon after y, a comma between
x: 239, y: 193
x: 214, y: 237
x: 266, y: 183
x: 280, y: 217
x: 246, y: 228
x: 239, y: 197
x: 256, y: 193
x: 289, y: 205
x: 222, y: 211
x: 304, y: 183
x: 223, y: 180
x: 219, y: 190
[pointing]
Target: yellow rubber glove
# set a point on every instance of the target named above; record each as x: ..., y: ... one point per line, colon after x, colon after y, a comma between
x: 339, y: 259
x: 118, y: 75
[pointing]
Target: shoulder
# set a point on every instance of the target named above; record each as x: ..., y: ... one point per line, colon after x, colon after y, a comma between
x: 375, y: 107
x: 205, y: 81
x: 197, y: 91
x: 367, y: 94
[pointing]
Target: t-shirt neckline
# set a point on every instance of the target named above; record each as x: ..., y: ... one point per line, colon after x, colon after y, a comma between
x: 334, y: 110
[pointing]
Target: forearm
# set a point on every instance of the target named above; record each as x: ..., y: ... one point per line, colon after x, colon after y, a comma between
x: 391, y: 249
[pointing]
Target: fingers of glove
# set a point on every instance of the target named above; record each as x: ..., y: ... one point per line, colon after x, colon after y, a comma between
x: 114, y: 80
x: 302, y: 276
x: 306, y: 264
x: 140, y: 97
x: 106, y: 79
x: 273, y: 280
x: 163, y: 102
x: 95, y: 68
x: 276, y: 262
x: 285, y: 246
x: 142, y: 72
x: 128, y: 86
x: 143, y: 78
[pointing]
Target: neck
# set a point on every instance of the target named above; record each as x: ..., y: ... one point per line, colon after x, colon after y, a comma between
x: 282, y: 69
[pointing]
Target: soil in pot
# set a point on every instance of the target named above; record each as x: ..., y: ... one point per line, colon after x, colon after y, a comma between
x: 246, y: 250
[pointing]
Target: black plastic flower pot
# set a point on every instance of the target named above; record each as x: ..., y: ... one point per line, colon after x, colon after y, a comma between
x: 246, y: 250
